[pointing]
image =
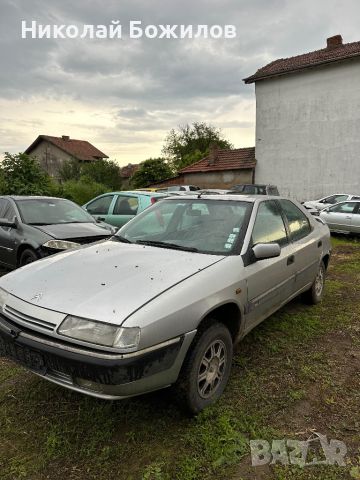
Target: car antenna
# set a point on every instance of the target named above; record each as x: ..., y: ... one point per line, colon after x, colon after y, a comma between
x: 199, y: 196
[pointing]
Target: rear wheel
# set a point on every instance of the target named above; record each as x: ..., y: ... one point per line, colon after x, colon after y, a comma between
x: 27, y: 256
x: 206, y: 369
x: 315, y: 293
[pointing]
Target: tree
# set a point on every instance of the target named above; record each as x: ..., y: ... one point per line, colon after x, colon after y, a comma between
x: 106, y: 172
x: 190, y: 143
x: 151, y: 171
x: 70, y: 170
x: 21, y: 174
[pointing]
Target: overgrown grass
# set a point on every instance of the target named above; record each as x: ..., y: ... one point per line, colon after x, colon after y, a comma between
x: 285, y: 378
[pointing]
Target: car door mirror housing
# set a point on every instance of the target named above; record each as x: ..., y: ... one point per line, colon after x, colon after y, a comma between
x: 4, y: 222
x: 266, y: 250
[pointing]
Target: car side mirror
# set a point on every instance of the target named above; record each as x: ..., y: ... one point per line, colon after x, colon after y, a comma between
x: 327, y: 209
x: 266, y: 250
x: 4, y: 222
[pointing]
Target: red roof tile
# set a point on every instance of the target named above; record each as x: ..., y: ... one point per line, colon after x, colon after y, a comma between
x: 80, y: 149
x: 334, y: 52
x: 236, y: 159
x: 129, y: 170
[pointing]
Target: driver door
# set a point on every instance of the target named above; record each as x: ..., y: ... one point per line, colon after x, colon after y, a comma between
x: 270, y: 282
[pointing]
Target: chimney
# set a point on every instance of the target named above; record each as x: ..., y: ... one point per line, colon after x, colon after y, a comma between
x: 213, y: 153
x: 66, y: 138
x: 334, y: 42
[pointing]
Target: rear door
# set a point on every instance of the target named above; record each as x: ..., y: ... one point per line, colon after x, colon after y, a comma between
x: 307, y: 246
x: 124, y: 209
x: 270, y: 282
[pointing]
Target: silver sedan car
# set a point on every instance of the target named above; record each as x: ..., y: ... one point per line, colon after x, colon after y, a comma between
x: 322, y: 203
x: 166, y: 299
x: 343, y: 217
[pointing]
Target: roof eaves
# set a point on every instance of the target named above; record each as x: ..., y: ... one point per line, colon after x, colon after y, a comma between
x: 256, y: 77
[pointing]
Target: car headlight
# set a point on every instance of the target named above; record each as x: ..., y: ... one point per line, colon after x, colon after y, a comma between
x: 100, y: 333
x: 60, y: 244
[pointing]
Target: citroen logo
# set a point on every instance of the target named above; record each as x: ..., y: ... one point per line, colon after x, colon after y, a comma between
x: 36, y: 298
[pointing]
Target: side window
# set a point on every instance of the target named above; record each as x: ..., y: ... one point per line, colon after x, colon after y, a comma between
x: 299, y: 224
x: 9, y: 213
x: 250, y: 189
x: 100, y: 206
x: 269, y: 225
x: 3, y: 204
x: 346, y: 207
x: 126, y: 205
x: 335, y: 199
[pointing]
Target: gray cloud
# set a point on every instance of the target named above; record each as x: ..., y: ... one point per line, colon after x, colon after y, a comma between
x: 153, y: 85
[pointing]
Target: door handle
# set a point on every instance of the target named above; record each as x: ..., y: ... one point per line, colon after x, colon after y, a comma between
x: 348, y: 217
x: 290, y: 260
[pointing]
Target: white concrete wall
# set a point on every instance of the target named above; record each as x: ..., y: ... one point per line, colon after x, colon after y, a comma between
x: 308, y: 131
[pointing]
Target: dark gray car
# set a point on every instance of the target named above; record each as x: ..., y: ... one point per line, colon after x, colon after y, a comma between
x: 35, y: 227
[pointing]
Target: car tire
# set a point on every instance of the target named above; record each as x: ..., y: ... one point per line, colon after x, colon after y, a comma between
x: 206, y: 369
x: 315, y: 293
x: 27, y: 256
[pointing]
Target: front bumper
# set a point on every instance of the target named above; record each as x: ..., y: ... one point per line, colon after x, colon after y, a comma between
x: 92, y: 372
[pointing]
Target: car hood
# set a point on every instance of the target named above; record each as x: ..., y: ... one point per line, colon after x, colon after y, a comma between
x: 107, y: 281
x: 73, y: 230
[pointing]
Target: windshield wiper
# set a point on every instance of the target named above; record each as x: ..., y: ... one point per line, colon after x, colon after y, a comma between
x: 39, y: 224
x: 119, y: 238
x: 174, y: 246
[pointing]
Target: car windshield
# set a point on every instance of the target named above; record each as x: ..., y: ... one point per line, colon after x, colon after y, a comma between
x: 198, y: 225
x: 51, y: 211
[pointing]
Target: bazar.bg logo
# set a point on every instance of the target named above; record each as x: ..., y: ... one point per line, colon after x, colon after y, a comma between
x: 316, y: 450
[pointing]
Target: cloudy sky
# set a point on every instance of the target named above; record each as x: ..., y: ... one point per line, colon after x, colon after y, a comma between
x: 125, y: 95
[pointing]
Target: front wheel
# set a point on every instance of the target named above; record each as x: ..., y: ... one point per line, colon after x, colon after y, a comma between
x: 315, y: 293
x: 27, y: 256
x: 206, y: 369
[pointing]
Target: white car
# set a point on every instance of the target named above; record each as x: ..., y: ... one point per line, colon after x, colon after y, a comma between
x: 330, y: 200
x: 343, y: 217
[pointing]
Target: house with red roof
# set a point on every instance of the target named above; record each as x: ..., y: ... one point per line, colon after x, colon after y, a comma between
x: 52, y: 152
x: 220, y: 169
x: 308, y: 121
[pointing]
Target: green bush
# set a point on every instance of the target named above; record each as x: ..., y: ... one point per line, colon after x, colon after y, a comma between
x: 82, y: 190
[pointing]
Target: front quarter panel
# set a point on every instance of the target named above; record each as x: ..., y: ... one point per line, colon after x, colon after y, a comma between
x: 181, y: 308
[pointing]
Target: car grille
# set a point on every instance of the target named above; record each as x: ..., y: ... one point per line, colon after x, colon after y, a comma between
x: 85, y: 240
x: 26, y: 320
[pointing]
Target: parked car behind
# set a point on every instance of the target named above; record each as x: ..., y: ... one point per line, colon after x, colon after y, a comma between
x: 163, y: 303
x: 343, y: 217
x: 35, y: 227
x: 254, y: 189
x: 117, y: 208
x: 324, y: 202
x: 179, y: 188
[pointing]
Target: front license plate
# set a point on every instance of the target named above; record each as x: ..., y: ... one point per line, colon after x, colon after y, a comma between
x: 26, y: 357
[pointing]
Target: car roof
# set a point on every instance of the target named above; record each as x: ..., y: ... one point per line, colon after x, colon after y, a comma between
x: 134, y: 192
x: 32, y: 197
x: 224, y: 197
